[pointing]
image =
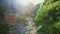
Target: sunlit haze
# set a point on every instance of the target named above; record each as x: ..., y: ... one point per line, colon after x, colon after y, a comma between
x: 37, y: 1
x: 25, y: 2
x: 27, y: 5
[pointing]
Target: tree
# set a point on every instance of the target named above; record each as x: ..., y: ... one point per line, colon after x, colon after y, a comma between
x: 48, y: 17
x: 4, y: 25
x: 2, y: 10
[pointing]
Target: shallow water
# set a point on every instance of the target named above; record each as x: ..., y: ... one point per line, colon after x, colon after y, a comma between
x: 21, y: 29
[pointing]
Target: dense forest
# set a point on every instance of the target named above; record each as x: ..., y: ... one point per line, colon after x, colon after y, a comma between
x: 48, y: 16
x: 4, y: 25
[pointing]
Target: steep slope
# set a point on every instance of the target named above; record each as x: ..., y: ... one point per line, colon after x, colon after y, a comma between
x: 48, y: 17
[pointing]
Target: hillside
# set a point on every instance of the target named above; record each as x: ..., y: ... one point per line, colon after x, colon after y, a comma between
x: 48, y: 16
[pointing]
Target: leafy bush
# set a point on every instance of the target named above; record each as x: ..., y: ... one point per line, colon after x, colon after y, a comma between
x: 4, y: 26
x: 48, y: 17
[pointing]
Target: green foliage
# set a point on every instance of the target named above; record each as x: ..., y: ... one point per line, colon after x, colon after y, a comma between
x: 4, y: 26
x: 2, y: 10
x: 48, y: 17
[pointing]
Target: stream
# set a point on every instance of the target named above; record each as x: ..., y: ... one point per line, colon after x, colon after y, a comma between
x: 22, y: 28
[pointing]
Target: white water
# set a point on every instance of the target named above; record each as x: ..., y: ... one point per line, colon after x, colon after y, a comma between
x: 22, y: 29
